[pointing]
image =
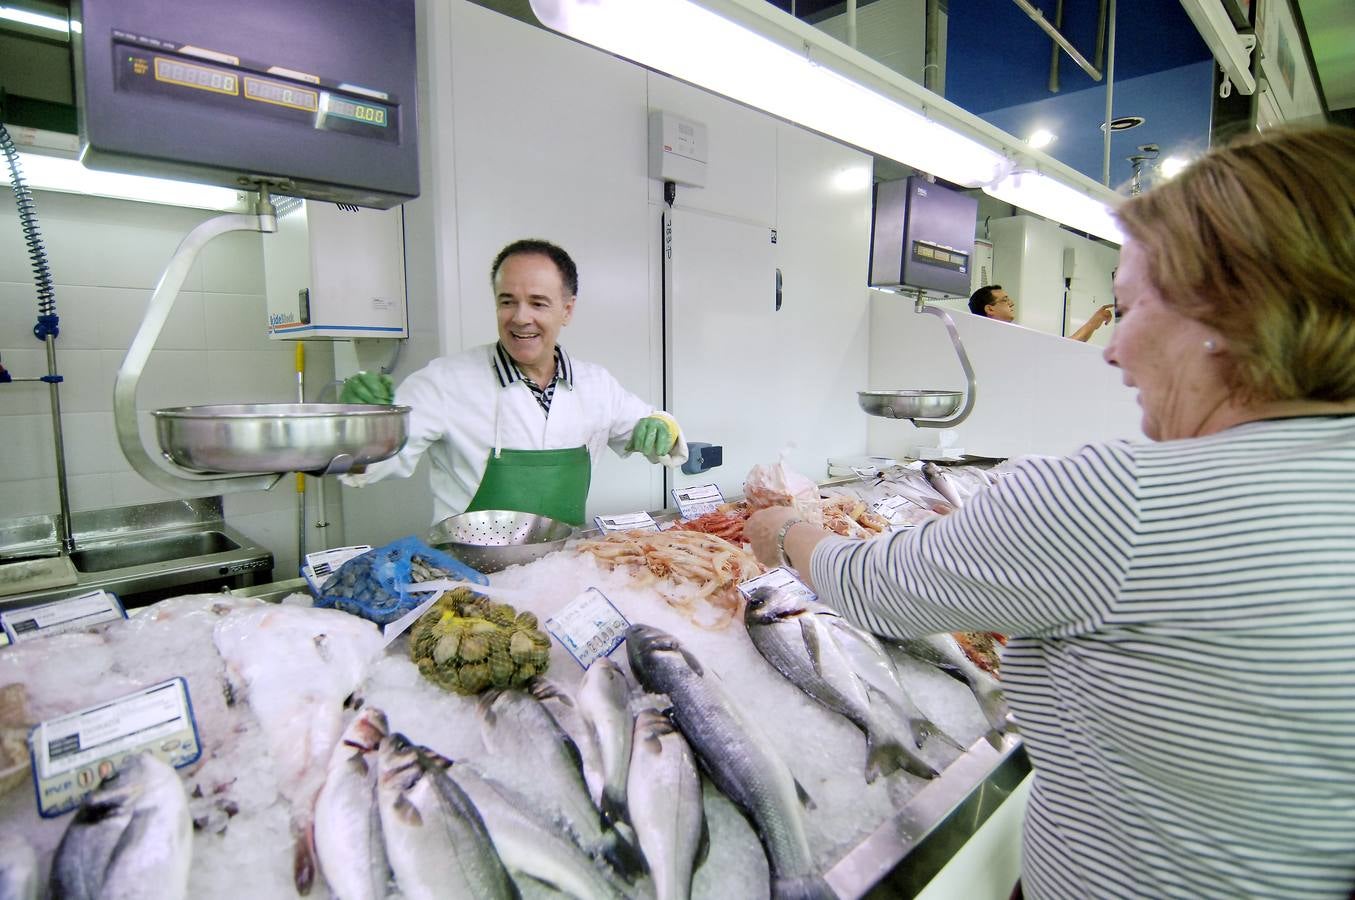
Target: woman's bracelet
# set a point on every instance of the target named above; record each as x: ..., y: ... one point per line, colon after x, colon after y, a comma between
x: 781, y: 539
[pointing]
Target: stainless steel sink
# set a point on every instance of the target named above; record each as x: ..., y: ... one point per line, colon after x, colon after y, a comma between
x: 126, y: 554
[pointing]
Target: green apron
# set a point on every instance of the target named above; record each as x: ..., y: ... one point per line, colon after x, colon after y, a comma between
x: 546, y: 482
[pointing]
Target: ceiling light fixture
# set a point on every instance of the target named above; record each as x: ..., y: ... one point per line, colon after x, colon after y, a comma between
x: 35, y: 20
x: 1172, y: 166
x: 53, y: 173
x: 1041, y: 138
x: 761, y: 56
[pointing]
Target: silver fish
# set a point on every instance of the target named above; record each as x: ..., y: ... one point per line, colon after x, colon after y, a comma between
x: 939, y: 480
x: 804, y: 648
x: 944, y: 651
x: 18, y: 869
x: 602, y: 703
x: 437, y: 843
x: 548, y: 767
x: 737, y: 757
x: 529, y: 846
x: 665, y: 803
x: 348, y: 842
x: 130, y: 839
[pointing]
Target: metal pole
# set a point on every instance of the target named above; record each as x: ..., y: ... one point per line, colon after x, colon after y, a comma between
x: 1038, y: 18
x: 62, y: 489
x: 1054, y: 50
x: 1110, y: 91
x: 1100, y: 35
x: 851, y: 24
x: 931, y: 65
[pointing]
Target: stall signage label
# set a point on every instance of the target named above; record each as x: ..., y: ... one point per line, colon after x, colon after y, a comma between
x: 319, y: 566
x: 694, y: 502
x: 641, y: 521
x: 73, y: 754
x: 893, y: 509
x: 783, y: 582
x: 589, y: 627
x: 71, y: 614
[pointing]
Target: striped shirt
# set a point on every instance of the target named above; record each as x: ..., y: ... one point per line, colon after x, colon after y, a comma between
x: 1183, y: 670
x: 508, y: 372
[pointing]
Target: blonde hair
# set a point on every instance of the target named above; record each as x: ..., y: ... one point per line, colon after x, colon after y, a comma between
x: 1257, y: 240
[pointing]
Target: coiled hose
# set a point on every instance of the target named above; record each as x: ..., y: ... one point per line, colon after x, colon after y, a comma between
x: 28, y: 221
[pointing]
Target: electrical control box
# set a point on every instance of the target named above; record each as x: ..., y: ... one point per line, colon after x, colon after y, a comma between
x: 335, y: 272
x: 922, y: 237
x: 677, y: 149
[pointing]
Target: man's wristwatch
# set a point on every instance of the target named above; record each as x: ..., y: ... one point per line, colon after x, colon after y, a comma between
x: 781, y: 539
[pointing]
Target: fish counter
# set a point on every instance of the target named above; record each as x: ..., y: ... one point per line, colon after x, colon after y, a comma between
x: 725, y: 749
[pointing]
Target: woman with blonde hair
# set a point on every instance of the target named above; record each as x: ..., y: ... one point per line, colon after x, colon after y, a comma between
x: 1182, y: 666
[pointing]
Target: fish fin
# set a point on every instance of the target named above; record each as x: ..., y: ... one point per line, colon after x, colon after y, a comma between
x: 358, y: 763
x: 810, y: 635
x: 303, y: 863
x: 353, y: 701
x: 889, y: 756
x: 805, y: 800
x: 806, y: 887
x: 544, y: 689
x: 408, y: 812
x: 702, y: 844
x: 692, y: 661
x: 994, y: 737
x: 485, y: 706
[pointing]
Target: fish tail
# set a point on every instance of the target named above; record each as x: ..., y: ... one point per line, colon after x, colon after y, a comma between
x: 622, y: 854
x: 994, y: 707
x: 613, y: 809
x: 885, y: 756
x: 805, y: 887
x: 303, y: 861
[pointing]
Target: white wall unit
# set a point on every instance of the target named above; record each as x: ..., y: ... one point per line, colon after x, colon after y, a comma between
x: 1028, y: 261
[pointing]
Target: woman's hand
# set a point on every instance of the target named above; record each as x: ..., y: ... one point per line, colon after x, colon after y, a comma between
x: 761, y: 530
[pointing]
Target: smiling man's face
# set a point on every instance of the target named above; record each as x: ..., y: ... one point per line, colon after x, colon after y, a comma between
x: 532, y: 307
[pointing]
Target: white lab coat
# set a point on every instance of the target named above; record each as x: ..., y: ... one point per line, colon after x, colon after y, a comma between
x: 460, y: 415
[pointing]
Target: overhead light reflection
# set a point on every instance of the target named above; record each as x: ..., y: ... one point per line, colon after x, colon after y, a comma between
x: 1041, y: 137
x: 37, y: 20
x: 1172, y: 166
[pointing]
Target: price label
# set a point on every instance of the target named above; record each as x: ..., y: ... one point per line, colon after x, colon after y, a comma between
x: 71, y: 614
x: 895, y: 510
x: 783, y: 582
x: 589, y: 627
x: 642, y: 521
x: 73, y: 754
x: 694, y: 502
x: 321, y: 565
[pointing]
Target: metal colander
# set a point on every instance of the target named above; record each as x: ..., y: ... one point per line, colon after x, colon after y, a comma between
x: 493, y: 539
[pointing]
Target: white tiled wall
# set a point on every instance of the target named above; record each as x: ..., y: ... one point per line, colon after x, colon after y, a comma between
x: 106, y: 256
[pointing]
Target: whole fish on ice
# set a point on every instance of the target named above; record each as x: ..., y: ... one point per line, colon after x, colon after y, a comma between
x: 795, y: 638
x: 665, y: 803
x: 602, y: 704
x: 132, y: 839
x: 348, y: 841
x: 738, y: 758
x: 296, y: 666
x: 942, y: 483
x: 943, y: 651
x: 436, y: 840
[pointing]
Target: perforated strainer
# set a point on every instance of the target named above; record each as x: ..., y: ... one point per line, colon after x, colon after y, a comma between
x: 493, y: 539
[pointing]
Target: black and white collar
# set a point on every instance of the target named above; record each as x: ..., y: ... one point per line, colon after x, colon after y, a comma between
x: 508, y: 372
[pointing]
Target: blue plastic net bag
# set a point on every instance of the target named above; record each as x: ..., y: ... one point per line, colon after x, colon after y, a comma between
x: 372, y: 585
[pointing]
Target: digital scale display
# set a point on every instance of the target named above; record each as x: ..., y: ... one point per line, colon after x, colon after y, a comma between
x: 174, y: 71
x: 371, y: 113
x: 940, y: 256
x: 281, y: 94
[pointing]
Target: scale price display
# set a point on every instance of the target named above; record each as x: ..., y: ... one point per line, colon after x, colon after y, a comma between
x: 368, y: 113
x: 201, y: 77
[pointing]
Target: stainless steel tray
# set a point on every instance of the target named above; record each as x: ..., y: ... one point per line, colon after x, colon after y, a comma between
x: 490, y: 540
x: 910, y: 404
x: 321, y: 438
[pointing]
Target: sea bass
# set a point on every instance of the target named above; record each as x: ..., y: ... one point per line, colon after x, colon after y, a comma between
x: 348, y: 842
x: 437, y: 843
x: 296, y: 666
x: 530, y: 846
x: 547, y: 767
x: 738, y: 758
x: 132, y: 839
x: 943, y: 651
x: 602, y: 703
x: 664, y: 790
x: 942, y: 483
x: 803, y: 647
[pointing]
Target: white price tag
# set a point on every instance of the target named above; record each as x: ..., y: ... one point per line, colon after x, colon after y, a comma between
x: 782, y: 581
x: 895, y: 511
x: 642, y: 521
x: 71, y: 614
x: 73, y: 754
x: 589, y: 627
x: 319, y: 566
x: 694, y: 502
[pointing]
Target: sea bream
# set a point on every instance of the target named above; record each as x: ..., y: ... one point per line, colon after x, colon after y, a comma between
x: 348, y: 841
x: 296, y: 666
x: 132, y: 839
x: 602, y: 700
x: 800, y: 644
x: 738, y: 758
x: 665, y: 803
x: 943, y: 651
x: 435, y: 838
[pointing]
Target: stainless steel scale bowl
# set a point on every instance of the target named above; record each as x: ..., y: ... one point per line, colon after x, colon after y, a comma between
x: 490, y: 540
x: 910, y: 404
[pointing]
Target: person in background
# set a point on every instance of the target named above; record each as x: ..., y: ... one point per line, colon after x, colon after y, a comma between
x: 518, y: 424
x: 1182, y: 611
x: 993, y: 302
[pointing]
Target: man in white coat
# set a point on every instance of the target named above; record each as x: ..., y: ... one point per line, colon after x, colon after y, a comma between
x: 518, y: 424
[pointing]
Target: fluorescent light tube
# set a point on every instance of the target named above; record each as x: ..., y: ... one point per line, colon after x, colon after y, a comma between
x: 1043, y: 195
x: 51, y: 173
x: 36, y: 20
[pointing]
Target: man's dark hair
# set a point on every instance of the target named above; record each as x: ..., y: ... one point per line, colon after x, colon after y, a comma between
x: 979, y: 300
x: 569, y: 273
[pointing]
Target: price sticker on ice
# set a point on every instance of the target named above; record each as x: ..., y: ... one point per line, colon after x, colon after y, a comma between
x: 71, y: 614
x: 589, y: 627
x: 73, y: 754
x: 781, y: 582
x: 894, y: 510
x: 322, y: 564
x: 642, y: 521
x: 694, y: 502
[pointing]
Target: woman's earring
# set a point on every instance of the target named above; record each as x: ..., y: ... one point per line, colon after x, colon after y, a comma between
x: 1210, y: 346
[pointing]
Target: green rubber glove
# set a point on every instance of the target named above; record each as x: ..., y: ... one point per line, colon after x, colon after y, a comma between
x: 371, y: 388
x: 652, y: 437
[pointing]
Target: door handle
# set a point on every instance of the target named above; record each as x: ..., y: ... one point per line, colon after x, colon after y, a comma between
x: 778, y: 290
